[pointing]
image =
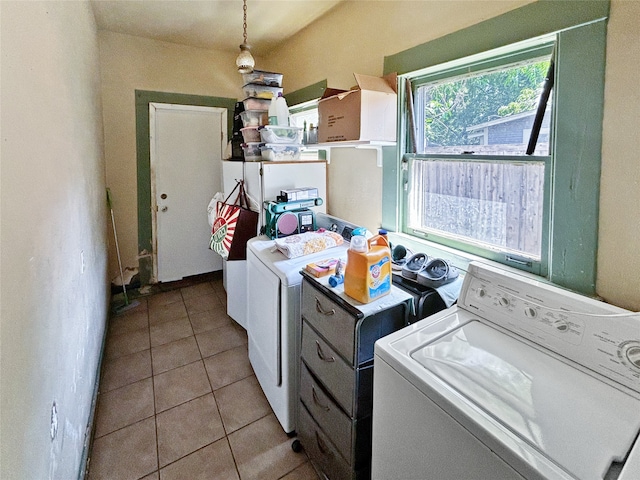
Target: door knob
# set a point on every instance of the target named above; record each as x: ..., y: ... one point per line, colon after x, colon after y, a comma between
x: 163, y: 196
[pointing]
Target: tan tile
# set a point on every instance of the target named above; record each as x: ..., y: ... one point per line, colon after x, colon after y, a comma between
x: 218, y: 340
x: 160, y: 300
x: 223, y: 299
x: 188, y: 427
x: 128, y: 322
x: 152, y: 476
x: 125, y: 370
x: 218, y: 286
x: 210, y: 319
x: 241, y: 403
x: 180, y: 385
x: 127, y: 343
x: 203, y: 303
x: 175, y: 354
x: 303, y: 472
x: 166, y: 332
x: 165, y: 313
x: 204, y: 288
x: 214, y: 462
x: 228, y: 367
x: 124, y: 406
x: 135, y: 305
x: 262, y: 450
x: 129, y: 453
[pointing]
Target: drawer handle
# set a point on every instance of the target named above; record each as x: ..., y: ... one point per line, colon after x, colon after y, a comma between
x: 316, y: 400
x: 322, y: 310
x: 321, y: 445
x: 321, y: 355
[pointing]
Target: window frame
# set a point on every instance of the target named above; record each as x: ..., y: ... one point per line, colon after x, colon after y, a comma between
x: 505, y: 56
x: 580, y: 28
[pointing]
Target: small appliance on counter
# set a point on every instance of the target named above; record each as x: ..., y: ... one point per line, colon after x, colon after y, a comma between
x: 289, y: 218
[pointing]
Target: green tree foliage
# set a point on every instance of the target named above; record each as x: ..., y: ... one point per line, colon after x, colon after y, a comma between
x: 453, y: 106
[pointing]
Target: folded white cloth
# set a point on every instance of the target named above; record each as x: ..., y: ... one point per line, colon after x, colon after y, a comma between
x: 307, y: 243
x: 449, y: 292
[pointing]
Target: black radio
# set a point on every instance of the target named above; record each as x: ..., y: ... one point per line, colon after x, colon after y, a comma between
x: 289, y: 218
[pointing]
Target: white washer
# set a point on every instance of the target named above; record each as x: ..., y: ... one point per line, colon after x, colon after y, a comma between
x: 273, y: 316
x: 521, y: 379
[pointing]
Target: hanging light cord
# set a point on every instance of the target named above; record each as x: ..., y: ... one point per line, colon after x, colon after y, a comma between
x: 244, y: 20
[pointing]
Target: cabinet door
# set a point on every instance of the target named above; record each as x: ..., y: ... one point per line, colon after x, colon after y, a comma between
x: 326, y: 413
x: 330, y: 320
x: 331, y: 370
x: 320, y: 449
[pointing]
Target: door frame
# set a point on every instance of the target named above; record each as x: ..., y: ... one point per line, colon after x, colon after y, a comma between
x: 143, y: 98
x: 153, y: 107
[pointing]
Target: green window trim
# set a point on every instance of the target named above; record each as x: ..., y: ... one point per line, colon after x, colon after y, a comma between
x: 306, y: 94
x: 143, y: 158
x: 580, y: 27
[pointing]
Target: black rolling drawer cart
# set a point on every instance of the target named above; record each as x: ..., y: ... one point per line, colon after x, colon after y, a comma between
x: 336, y: 374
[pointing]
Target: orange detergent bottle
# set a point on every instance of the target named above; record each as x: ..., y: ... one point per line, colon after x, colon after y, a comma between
x: 367, y: 275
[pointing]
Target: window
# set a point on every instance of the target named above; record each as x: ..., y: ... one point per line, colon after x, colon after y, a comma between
x: 571, y: 169
x: 470, y: 185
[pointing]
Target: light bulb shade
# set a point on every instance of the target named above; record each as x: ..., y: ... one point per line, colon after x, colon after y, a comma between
x: 245, y: 61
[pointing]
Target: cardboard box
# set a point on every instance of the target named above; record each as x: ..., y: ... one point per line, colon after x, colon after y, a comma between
x: 366, y: 112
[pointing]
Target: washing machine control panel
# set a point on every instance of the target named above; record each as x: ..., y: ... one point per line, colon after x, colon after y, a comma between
x: 596, y: 335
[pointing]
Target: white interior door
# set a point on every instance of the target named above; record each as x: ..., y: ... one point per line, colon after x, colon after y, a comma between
x: 187, y: 144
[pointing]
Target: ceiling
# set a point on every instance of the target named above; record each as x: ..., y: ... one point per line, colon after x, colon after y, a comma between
x: 211, y: 24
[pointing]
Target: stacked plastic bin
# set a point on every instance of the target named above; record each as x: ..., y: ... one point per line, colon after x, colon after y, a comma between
x: 280, y: 143
x: 259, y: 88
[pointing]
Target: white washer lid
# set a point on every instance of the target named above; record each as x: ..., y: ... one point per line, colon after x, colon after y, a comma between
x: 579, y: 422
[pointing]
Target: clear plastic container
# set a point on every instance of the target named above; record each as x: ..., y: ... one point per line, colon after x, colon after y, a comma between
x: 253, y: 103
x: 280, y: 151
x: 255, y: 118
x: 261, y: 91
x: 262, y: 77
x: 250, y: 134
x: 252, y: 151
x: 278, y: 134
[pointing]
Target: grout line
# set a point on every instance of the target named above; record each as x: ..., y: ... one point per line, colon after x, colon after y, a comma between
x: 153, y: 389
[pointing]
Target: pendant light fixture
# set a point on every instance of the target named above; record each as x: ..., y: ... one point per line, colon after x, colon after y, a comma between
x: 245, y: 61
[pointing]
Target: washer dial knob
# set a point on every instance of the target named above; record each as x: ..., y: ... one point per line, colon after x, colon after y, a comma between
x: 560, y: 325
x: 632, y: 353
x: 530, y: 312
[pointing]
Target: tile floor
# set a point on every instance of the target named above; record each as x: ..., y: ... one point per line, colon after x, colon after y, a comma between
x: 179, y: 400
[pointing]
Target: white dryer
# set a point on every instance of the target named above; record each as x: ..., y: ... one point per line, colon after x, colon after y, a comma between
x: 273, y: 315
x: 521, y: 379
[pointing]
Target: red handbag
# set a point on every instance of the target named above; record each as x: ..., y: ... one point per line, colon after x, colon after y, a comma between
x: 234, y: 225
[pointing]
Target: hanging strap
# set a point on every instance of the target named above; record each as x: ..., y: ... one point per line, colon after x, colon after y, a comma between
x: 241, y: 200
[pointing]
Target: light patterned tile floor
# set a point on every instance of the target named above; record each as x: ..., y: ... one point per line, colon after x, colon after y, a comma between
x: 179, y: 400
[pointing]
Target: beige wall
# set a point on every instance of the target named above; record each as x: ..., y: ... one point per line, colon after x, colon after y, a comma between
x: 355, y: 37
x: 336, y: 46
x: 54, y: 308
x: 618, y: 253
x: 333, y: 48
x: 131, y: 63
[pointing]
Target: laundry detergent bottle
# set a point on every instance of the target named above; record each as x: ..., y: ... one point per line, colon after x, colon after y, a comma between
x: 367, y: 276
